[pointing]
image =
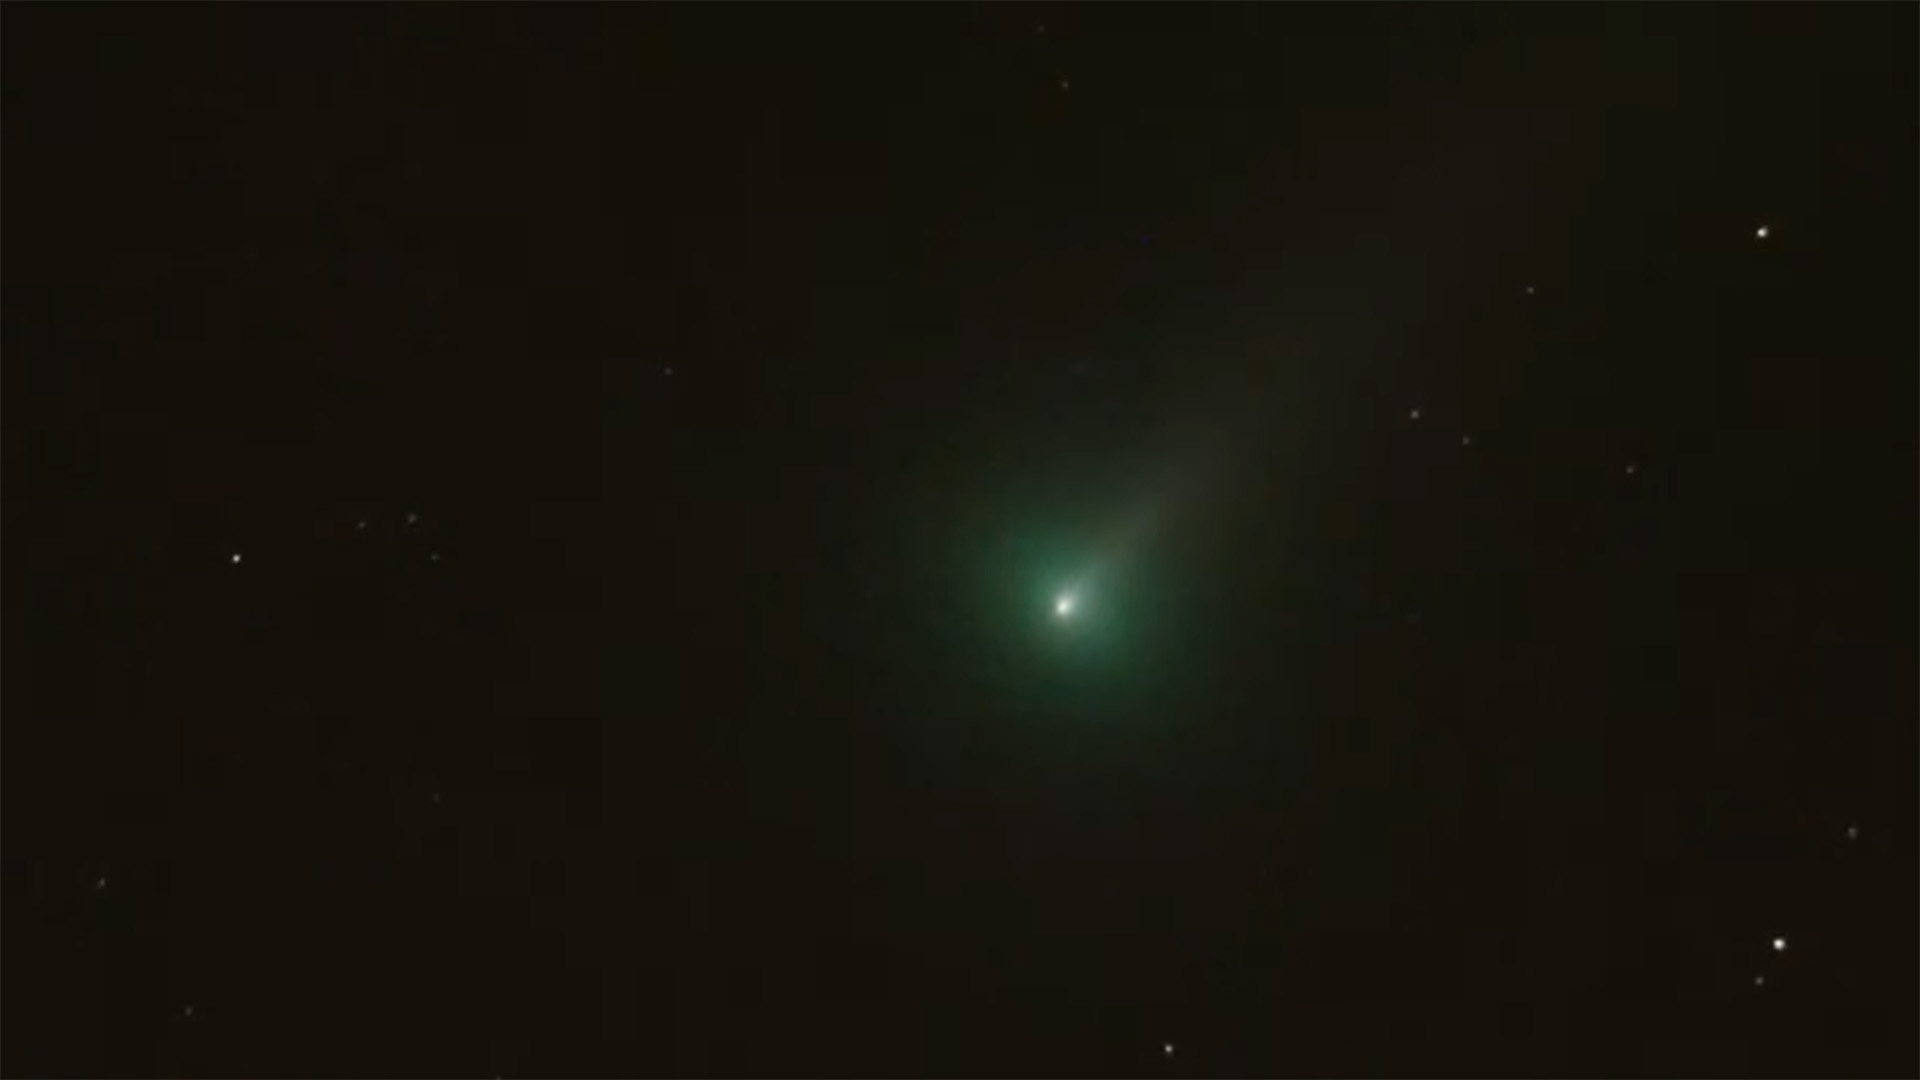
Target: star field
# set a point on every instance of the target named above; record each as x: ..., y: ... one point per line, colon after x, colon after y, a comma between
x: 1269, y: 540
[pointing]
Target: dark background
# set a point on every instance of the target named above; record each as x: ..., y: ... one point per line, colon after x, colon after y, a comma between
x: 723, y: 737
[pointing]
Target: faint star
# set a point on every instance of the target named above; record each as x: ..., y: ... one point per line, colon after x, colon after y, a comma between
x: 1759, y: 980
x: 1413, y: 414
x: 1166, y: 1049
x: 1853, y: 832
x: 1760, y: 233
x: 667, y: 371
x: 1779, y: 944
x: 100, y: 883
x: 1040, y: 29
x: 1466, y: 440
x: 435, y: 557
x: 361, y: 525
x: 1631, y: 469
x: 1065, y: 85
x: 187, y: 1012
x: 1529, y: 290
x: 436, y: 798
x: 413, y: 518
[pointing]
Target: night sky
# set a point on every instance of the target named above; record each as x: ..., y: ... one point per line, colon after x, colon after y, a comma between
x: 1040, y: 540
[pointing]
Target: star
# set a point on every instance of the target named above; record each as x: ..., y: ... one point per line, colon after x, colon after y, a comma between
x: 361, y: 525
x: 1466, y: 440
x: 187, y: 1012
x: 1853, y: 832
x: 1759, y: 980
x: 1779, y: 944
x: 1065, y: 85
x: 235, y: 559
x: 100, y: 883
x: 1529, y: 290
x: 1064, y: 605
x: 667, y: 371
x: 1166, y: 1049
x: 1760, y: 233
x: 1631, y: 469
x: 435, y: 557
x: 1413, y: 414
x: 412, y: 518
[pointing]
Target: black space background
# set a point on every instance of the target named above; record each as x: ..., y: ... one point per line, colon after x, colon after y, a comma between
x: 1459, y: 760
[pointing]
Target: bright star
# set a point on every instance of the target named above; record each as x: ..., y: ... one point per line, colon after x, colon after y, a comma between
x: 1064, y: 606
x: 1760, y: 233
x: 1779, y: 944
